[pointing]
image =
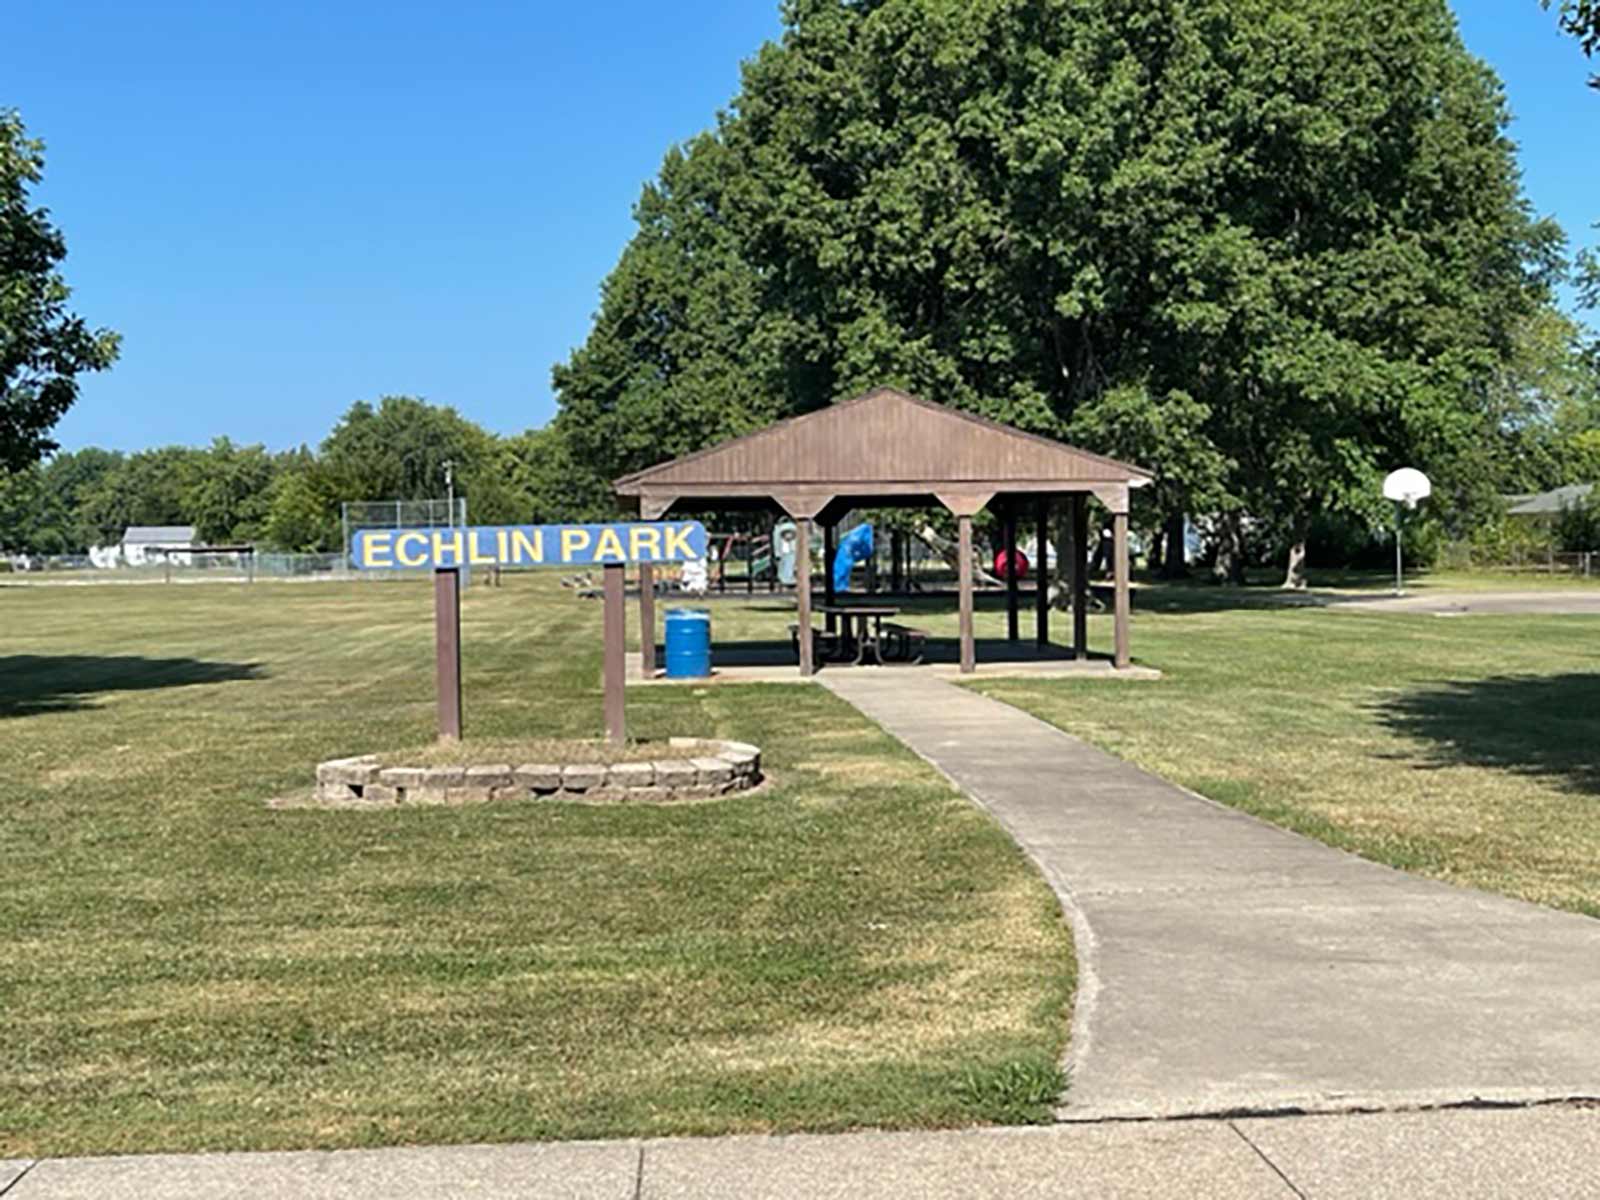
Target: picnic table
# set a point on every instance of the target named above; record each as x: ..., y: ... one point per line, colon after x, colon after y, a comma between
x: 863, y: 633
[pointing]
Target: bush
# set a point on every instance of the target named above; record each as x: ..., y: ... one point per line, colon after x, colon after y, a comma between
x: 1577, y: 527
x: 1499, y: 542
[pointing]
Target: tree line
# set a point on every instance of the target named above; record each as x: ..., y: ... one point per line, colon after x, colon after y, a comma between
x: 395, y: 449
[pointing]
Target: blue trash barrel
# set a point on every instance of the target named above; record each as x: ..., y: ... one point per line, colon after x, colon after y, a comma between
x: 688, y: 643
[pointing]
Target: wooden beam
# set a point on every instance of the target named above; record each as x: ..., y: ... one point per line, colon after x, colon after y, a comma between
x: 1013, y: 584
x: 647, y: 619
x: 1119, y: 533
x: 447, y: 651
x: 616, y: 646
x: 1079, y: 568
x: 802, y: 588
x: 969, y: 652
x: 830, y: 547
x: 1041, y: 574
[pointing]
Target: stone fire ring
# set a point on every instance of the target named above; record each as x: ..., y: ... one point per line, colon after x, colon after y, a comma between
x: 717, y: 769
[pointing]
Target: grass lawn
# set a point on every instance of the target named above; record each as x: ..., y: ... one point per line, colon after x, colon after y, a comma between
x: 1463, y: 747
x: 182, y: 968
x: 1466, y: 748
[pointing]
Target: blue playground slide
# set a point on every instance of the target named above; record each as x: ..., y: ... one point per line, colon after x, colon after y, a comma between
x: 855, y: 547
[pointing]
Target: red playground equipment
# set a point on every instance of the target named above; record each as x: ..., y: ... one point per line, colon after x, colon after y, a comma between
x: 1003, y: 567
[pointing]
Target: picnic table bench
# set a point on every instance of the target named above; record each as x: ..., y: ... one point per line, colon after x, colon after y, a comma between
x: 863, y: 634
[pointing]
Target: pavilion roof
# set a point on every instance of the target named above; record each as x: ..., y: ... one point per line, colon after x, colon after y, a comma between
x: 882, y: 445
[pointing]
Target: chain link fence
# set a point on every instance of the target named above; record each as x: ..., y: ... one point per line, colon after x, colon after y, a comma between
x: 356, y: 515
x: 245, y: 564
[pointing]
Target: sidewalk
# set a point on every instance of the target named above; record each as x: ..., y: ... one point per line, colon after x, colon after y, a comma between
x: 1456, y: 1154
x: 1229, y: 967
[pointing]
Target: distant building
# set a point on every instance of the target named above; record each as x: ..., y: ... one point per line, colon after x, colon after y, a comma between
x: 151, y: 545
x: 1550, y: 504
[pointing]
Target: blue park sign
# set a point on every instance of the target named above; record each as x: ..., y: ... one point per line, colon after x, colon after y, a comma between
x: 528, y: 546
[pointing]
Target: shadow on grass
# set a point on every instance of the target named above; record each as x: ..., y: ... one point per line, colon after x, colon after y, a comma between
x: 1544, y: 725
x: 31, y: 684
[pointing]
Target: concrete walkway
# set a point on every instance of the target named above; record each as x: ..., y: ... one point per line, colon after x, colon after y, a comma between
x: 1453, y: 1155
x: 1229, y: 967
x: 1550, y: 602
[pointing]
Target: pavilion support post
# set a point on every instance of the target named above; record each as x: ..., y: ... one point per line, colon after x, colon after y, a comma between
x: 1013, y: 584
x: 447, y: 651
x: 830, y: 547
x: 1119, y: 534
x: 1078, y: 569
x: 647, y: 619
x: 1041, y: 576
x: 969, y: 653
x: 616, y: 638
x: 802, y: 589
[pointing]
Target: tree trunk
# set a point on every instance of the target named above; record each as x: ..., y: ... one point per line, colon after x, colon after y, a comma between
x: 1295, y: 577
x: 1173, y: 564
x: 1230, y: 550
x: 1061, y: 589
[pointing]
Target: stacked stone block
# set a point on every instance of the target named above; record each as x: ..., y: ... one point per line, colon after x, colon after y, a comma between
x: 719, y: 768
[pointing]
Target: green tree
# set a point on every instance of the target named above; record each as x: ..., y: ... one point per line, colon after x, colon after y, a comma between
x: 43, y: 347
x: 303, y: 508
x: 1270, y: 247
x: 151, y: 487
x: 550, y: 486
x: 43, y: 514
x: 397, y: 450
x: 228, y: 492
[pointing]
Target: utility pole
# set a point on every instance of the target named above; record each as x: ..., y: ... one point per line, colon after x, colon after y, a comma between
x: 450, y: 490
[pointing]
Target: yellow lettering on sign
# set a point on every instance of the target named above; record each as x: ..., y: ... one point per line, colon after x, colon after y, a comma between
x: 411, y: 538
x: 609, y: 547
x: 678, y: 547
x: 502, y: 545
x: 375, y: 549
x: 572, y: 541
x: 443, y: 541
x: 527, y: 549
x: 644, y: 543
x: 477, y: 559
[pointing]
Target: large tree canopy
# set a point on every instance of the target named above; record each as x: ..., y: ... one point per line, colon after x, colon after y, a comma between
x: 43, y: 347
x: 1269, y: 247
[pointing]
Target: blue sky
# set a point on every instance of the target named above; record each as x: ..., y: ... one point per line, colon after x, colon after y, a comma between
x: 288, y: 206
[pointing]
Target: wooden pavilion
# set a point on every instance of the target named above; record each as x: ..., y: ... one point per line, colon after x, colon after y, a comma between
x: 887, y: 449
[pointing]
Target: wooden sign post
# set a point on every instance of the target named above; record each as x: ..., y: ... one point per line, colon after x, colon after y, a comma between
x: 614, y: 673
x: 447, y: 650
x: 446, y: 551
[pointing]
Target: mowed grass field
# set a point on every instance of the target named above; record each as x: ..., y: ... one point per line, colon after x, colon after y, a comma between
x: 1466, y: 748
x: 183, y: 968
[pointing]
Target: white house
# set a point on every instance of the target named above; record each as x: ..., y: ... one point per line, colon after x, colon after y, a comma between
x: 150, y: 545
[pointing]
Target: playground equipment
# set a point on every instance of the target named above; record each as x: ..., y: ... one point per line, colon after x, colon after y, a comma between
x: 694, y: 579
x: 785, y: 538
x: 855, y: 547
x: 951, y: 553
x: 1006, y: 569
